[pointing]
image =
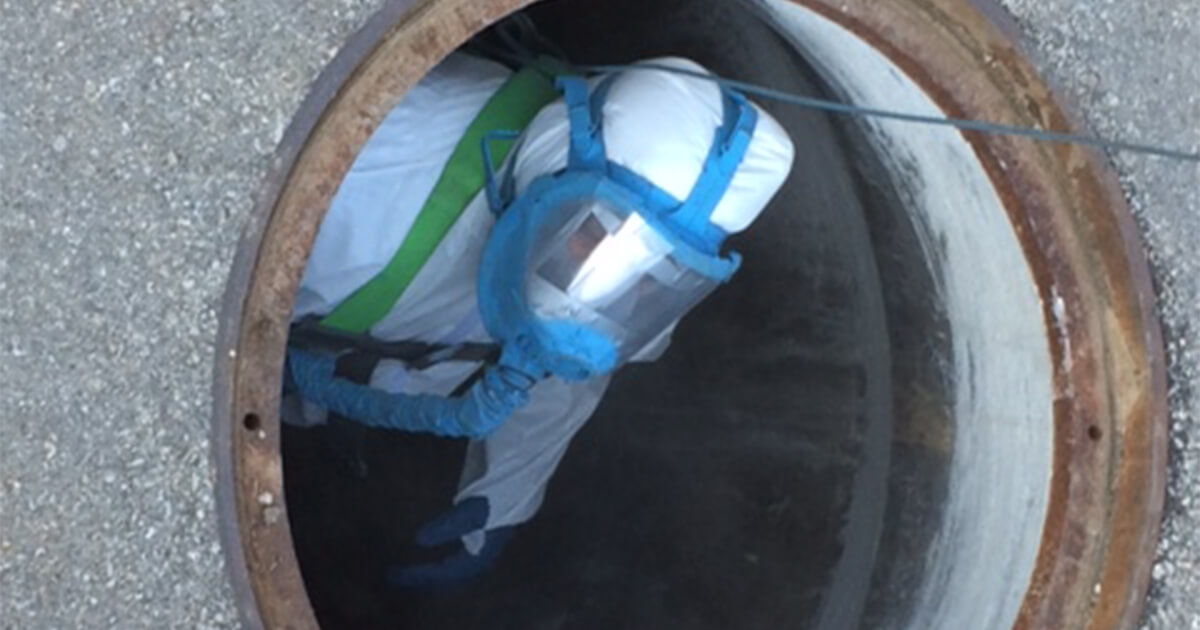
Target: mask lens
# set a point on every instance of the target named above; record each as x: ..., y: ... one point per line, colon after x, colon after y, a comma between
x: 612, y: 272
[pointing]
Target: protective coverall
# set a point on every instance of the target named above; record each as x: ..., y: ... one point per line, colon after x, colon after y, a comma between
x: 656, y: 124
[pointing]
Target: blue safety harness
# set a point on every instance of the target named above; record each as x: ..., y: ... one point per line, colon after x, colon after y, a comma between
x: 565, y: 348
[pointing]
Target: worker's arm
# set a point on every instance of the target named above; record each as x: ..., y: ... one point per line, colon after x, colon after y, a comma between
x: 512, y: 467
x: 504, y: 480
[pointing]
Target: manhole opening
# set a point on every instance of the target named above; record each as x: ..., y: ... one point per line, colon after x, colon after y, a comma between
x: 866, y: 429
x: 712, y: 488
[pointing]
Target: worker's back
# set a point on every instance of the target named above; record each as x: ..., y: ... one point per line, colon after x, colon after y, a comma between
x: 380, y: 198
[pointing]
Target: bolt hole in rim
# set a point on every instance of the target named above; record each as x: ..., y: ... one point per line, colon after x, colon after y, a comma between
x: 1092, y: 506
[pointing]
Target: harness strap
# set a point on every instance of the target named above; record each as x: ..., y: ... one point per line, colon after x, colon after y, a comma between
x: 347, y: 438
x: 513, y: 106
x: 587, y: 143
x: 365, y: 352
x: 690, y: 218
x: 730, y: 142
x: 316, y: 337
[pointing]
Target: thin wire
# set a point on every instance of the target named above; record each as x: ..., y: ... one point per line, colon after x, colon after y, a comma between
x: 960, y: 123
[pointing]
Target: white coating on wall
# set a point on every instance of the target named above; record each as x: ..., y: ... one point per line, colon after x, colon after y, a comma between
x: 978, y: 567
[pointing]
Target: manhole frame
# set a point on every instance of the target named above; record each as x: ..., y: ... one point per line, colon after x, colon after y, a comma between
x: 1106, y: 494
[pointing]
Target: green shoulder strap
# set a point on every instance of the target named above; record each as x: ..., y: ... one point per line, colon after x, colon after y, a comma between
x: 513, y: 106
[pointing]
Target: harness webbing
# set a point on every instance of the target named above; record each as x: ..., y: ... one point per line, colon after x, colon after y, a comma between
x: 513, y: 106
x: 418, y: 355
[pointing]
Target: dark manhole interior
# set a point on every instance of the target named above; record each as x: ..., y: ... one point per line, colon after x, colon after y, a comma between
x: 762, y: 474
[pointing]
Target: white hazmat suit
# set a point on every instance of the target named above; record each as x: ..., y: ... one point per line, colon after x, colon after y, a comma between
x: 657, y: 124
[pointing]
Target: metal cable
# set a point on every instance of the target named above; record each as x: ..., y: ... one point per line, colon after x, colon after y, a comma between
x: 854, y: 110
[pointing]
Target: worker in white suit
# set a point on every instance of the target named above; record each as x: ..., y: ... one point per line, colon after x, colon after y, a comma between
x: 506, y: 240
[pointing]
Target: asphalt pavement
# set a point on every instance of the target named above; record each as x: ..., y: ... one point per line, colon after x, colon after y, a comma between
x: 1131, y: 70
x: 132, y: 138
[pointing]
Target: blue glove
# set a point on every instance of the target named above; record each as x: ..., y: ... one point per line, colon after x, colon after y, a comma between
x: 468, y: 516
x: 487, y: 404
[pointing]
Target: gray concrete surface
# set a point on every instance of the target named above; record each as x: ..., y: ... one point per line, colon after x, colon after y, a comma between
x: 132, y: 136
x: 1132, y: 70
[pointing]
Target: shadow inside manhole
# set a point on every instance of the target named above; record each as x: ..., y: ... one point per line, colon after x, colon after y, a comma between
x: 749, y: 478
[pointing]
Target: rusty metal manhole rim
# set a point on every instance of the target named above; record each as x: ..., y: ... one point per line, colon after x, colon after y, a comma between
x: 1110, y: 435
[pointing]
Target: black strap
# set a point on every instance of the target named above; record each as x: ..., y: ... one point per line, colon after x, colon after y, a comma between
x: 311, y: 335
x: 359, y: 354
x: 356, y: 367
x: 470, y: 382
x: 347, y: 438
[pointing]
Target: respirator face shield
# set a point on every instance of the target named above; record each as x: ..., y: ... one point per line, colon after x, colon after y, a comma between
x: 605, y: 267
x: 587, y: 266
x: 579, y: 277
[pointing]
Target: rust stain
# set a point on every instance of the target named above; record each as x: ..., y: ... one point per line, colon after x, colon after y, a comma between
x: 1105, y: 495
x: 368, y: 78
